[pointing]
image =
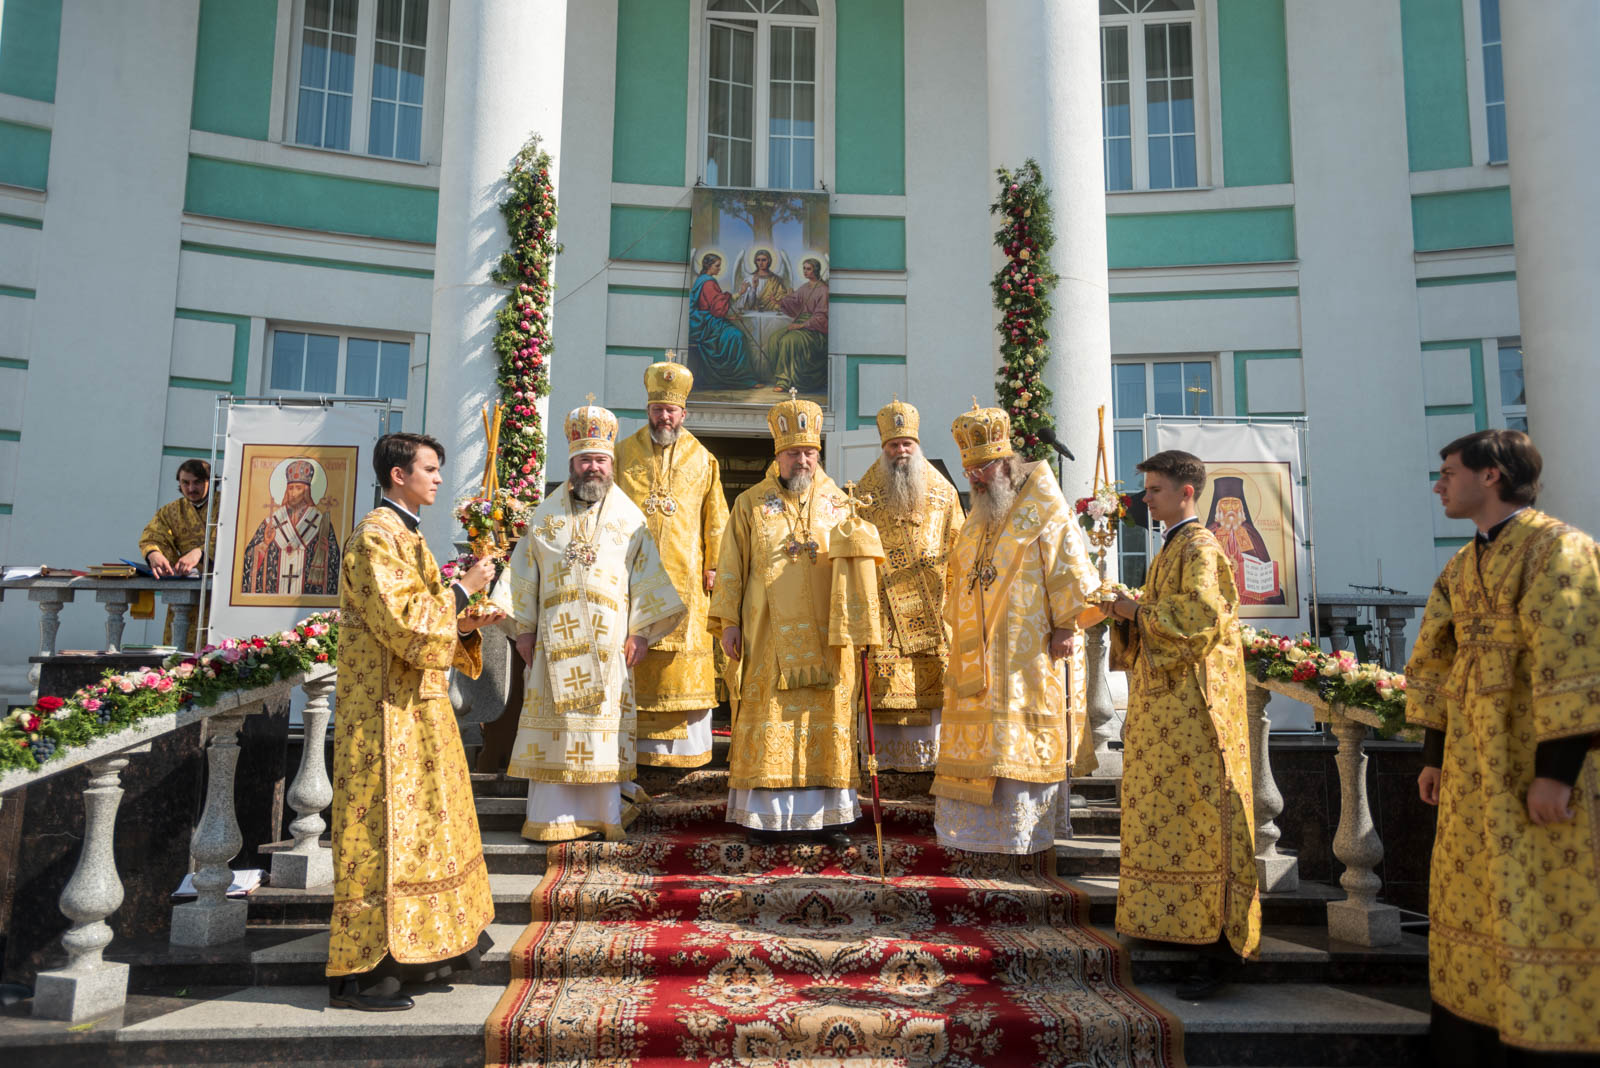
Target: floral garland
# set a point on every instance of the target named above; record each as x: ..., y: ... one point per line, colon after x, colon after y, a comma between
x: 30, y: 737
x: 523, y: 335
x: 1107, y: 503
x: 1332, y: 677
x: 1021, y: 295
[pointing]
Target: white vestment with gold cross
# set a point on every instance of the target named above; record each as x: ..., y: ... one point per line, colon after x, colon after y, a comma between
x: 583, y: 579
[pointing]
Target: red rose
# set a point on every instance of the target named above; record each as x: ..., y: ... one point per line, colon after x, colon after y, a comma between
x: 1082, y: 506
x: 48, y: 704
x: 29, y: 722
x: 322, y: 658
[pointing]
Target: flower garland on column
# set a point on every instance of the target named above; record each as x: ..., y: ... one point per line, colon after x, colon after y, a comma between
x: 523, y: 335
x: 1021, y: 294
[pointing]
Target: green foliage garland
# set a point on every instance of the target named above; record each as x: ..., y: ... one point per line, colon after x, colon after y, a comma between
x: 1022, y: 296
x: 523, y: 335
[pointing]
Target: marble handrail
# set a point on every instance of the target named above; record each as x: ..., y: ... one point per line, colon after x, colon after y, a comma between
x: 53, y: 593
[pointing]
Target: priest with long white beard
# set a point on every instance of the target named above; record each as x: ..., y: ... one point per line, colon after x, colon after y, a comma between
x: 588, y: 595
x: 918, y: 516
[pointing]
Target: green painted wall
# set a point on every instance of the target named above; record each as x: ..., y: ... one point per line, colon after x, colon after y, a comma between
x: 241, y: 346
x: 1255, y: 92
x: 652, y: 108
x: 1480, y: 393
x: 1252, y: 235
x: 1241, y: 378
x: 853, y: 420
x: 30, y: 44
x: 233, y: 67
x: 869, y: 122
x: 1475, y: 218
x: 660, y: 235
x: 1433, y: 45
x: 866, y: 243
x: 231, y: 190
x: 24, y: 155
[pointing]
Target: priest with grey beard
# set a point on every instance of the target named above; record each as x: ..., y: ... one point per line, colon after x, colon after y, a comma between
x: 918, y: 515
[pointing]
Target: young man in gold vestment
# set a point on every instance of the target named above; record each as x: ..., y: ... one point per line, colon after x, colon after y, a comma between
x: 175, y: 544
x: 410, y: 890
x: 676, y: 482
x: 918, y: 516
x: 1188, y: 872
x: 1505, y: 676
x: 1018, y: 587
x: 792, y: 761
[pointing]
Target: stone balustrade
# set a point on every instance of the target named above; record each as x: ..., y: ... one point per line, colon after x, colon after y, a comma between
x: 1338, y: 614
x: 88, y: 985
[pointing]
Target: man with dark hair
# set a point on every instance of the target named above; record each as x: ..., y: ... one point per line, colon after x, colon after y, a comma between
x: 1505, y: 676
x: 175, y: 541
x: 1188, y: 871
x: 411, y: 893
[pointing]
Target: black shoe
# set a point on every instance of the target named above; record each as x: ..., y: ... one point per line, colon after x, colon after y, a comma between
x: 756, y: 836
x: 382, y: 996
x: 1209, y: 976
x: 835, y: 837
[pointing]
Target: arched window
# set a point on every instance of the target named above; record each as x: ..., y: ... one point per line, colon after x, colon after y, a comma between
x: 1150, y: 59
x: 761, y: 106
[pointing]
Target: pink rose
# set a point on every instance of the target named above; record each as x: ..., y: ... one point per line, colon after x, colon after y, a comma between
x: 91, y: 705
x: 124, y: 684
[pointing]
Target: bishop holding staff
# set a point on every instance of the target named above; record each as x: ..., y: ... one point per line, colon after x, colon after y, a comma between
x: 675, y: 481
x: 918, y: 516
x: 589, y: 595
x: 793, y: 757
x: 1505, y: 676
x: 1018, y: 590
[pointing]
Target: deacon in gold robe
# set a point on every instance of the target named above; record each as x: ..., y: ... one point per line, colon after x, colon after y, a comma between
x: 918, y: 516
x: 1505, y: 676
x: 1018, y: 590
x: 589, y: 596
x: 1188, y: 871
x: 410, y: 893
x: 175, y: 544
x: 792, y: 762
x: 675, y: 481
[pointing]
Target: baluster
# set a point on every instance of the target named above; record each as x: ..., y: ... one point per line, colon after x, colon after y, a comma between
x: 1102, y: 711
x: 309, y: 862
x: 49, y: 599
x: 89, y: 985
x: 184, y: 604
x: 116, y: 602
x: 214, y: 918
x: 1359, y: 918
x: 1275, y: 872
x: 1395, y: 617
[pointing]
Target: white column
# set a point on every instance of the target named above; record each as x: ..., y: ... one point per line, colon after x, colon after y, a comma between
x: 1552, y: 96
x: 503, y: 82
x: 1044, y: 102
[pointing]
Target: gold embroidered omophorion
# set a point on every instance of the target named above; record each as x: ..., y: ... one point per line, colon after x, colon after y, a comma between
x: 1506, y: 659
x: 409, y: 878
x: 1188, y: 868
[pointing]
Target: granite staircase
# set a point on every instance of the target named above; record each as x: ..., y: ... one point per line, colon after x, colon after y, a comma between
x: 1307, y: 1001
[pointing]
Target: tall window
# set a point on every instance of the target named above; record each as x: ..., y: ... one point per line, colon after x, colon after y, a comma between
x: 361, y: 72
x: 1513, y: 390
x: 1494, y: 82
x: 336, y: 364
x: 1148, y: 94
x: 1154, y: 387
x: 761, y: 93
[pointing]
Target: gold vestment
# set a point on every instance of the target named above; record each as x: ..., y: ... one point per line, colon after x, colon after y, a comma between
x: 1188, y: 868
x: 1507, y: 658
x: 178, y: 527
x: 409, y: 878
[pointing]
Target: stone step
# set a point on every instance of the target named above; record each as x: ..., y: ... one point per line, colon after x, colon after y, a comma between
x: 1096, y: 791
x: 1283, y: 1024
x: 273, y: 906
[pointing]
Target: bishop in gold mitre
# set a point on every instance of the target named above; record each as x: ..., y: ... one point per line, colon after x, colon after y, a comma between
x: 588, y: 597
x: 675, y: 481
x: 1018, y: 591
x: 918, y: 515
x: 792, y: 646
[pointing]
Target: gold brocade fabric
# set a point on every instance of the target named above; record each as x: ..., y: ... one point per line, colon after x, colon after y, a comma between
x: 1506, y: 658
x: 908, y: 668
x: 178, y: 527
x: 408, y: 872
x: 577, y: 722
x: 793, y: 724
x: 1005, y: 707
x: 1188, y: 868
x: 679, y: 673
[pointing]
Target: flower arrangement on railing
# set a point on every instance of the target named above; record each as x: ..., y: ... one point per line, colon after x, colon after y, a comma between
x: 1021, y: 295
x: 522, y: 337
x: 1333, y: 677
x: 29, y: 737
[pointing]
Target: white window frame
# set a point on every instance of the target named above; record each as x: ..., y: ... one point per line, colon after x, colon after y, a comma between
x: 1501, y: 412
x: 401, y: 405
x: 286, y: 82
x: 700, y: 73
x: 1204, y: 50
x: 1477, y: 97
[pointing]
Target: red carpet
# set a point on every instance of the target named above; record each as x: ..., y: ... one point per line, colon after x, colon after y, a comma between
x: 685, y: 946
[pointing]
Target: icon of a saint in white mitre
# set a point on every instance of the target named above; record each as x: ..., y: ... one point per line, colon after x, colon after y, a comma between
x: 295, y: 550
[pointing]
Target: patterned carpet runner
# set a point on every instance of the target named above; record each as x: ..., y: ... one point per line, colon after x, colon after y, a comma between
x: 685, y: 946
